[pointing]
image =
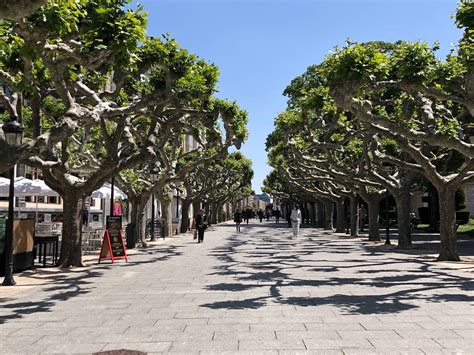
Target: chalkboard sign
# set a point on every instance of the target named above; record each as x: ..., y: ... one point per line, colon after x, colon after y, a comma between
x: 116, y: 243
x: 114, y: 225
x: 112, y: 245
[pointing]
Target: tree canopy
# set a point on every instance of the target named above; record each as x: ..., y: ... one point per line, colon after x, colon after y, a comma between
x: 378, y: 115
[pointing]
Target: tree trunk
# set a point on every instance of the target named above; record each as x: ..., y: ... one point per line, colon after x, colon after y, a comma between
x: 220, y: 209
x: 340, y: 216
x: 354, y: 216
x: 167, y: 217
x: 196, y: 208
x: 141, y: 226
x: 185, y: 215
x: 313, y: 214
x: 374, y: 212
x: 227, y: 212
x: 309, y: 213
x: 214, y: 213
x: 328, y: 213
x: 71, y: 243
x: 447, y: 208
x: 207, y: 210
x: 135, y: 220
x: 320, y: 214
x: 402, y: 198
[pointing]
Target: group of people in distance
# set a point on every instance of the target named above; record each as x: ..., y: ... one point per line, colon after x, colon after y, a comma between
x: 200, y: 222
x: 294, y: 218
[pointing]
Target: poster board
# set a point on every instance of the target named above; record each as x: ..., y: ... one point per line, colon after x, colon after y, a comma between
x: 23, y: 244
x: 23, y: 235
x: 113, y: 247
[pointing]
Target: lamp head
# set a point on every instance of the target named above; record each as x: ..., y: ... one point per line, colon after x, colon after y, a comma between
x: 13, y: 131
x: 154, y: 171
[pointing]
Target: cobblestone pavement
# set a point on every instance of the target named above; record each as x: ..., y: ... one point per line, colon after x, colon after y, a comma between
x: 258, y: 292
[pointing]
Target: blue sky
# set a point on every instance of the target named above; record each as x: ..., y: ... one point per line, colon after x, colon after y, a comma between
x: 261, y: 45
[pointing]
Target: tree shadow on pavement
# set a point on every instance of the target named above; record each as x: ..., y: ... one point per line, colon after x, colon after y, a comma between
x: 371, y: 281
x: 64, y: 285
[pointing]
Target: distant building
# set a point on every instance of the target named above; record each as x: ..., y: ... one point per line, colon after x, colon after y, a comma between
x: 252, y: 202
x: 264, y: 197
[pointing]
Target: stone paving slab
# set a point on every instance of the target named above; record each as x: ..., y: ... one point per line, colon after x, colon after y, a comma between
x: 254, y: 292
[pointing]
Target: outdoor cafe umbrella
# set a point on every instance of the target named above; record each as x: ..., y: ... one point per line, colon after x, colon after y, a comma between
x: 27, y: 187
x: 106, y: 192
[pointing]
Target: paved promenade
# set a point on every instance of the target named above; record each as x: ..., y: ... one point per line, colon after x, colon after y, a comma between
x: 256, y: 292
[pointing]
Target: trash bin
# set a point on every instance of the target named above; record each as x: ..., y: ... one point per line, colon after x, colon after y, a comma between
x: 131, y: 235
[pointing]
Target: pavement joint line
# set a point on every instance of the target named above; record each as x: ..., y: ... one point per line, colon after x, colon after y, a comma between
x: 437, y: 342
x: 368, y: 340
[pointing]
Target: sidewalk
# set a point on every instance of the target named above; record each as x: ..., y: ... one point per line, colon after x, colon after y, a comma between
x: 38, y: 276
x: 258, y: 291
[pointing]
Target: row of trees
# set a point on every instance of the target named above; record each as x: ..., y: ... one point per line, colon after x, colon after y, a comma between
x: 101, y: 99
x: 380, y: 116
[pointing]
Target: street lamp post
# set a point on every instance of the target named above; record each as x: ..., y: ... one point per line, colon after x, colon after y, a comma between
x: 112, y: 198
x: 154, y: 171
x: 13, y: 134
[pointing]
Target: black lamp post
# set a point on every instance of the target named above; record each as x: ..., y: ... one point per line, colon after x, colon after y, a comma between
x: 13, y: 134
x: 154, y: 171
x: 112, y: 198
x: 177, y: 202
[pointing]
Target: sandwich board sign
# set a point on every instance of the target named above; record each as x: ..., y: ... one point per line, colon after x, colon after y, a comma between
x: 113, y: 247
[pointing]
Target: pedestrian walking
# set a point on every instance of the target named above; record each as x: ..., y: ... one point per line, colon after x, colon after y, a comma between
x: 296, y: 220
x: 260, y: 215
x: 247, y: 215
x: 277, y: 216
x: 201, y: 225
x: 237, y: 219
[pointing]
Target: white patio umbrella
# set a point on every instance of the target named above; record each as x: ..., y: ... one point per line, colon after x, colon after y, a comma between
x: 45, y: 189
x: 106, y: 192
x: 23, y: 187
x: 26, y: 187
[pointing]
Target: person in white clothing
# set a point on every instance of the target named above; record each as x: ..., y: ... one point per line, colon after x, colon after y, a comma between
x: 295, y: 220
